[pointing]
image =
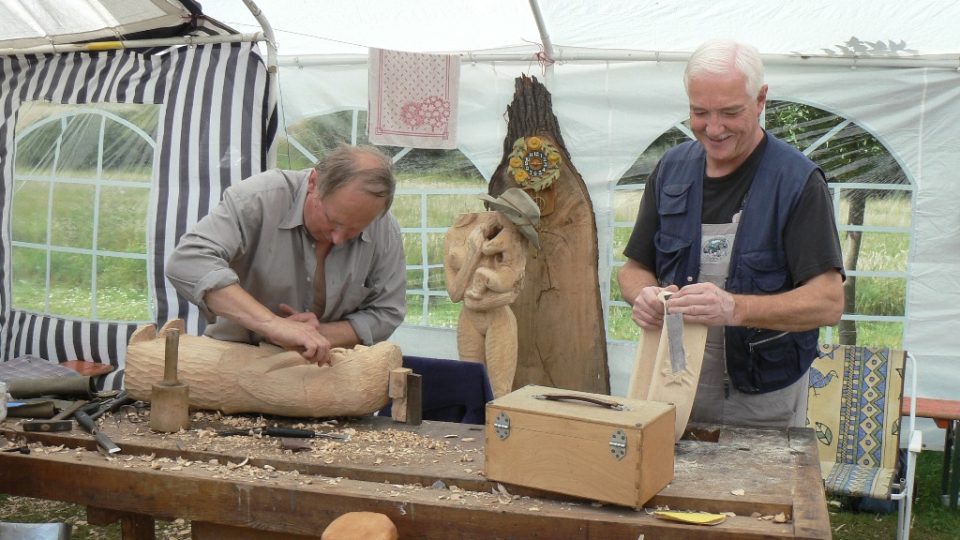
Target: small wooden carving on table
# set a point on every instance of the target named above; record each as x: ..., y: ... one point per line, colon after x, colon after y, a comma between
x: 241, y: 378
x: 484, y: 258
x: 561, y: 336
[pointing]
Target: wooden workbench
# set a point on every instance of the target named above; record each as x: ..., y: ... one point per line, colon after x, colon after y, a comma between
x: 428, y: 479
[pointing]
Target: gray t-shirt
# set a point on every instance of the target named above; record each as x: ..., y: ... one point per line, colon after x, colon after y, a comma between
x: 255, y: 237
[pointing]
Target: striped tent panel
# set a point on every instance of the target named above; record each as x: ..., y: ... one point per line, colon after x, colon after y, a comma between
x: 218, y: 124
x: 59, y: 339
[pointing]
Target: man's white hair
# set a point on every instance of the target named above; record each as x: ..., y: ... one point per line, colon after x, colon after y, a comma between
x: 718, y: 56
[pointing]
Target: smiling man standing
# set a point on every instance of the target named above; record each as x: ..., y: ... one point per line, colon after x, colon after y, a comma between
x: 741, y: 225
x: 307, y: 260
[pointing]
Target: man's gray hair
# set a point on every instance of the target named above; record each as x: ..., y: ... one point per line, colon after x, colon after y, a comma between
x: 365, y: 164
x: 718, y: 56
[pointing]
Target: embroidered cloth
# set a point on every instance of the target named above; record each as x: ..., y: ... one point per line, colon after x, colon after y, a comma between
x: 413, y: 99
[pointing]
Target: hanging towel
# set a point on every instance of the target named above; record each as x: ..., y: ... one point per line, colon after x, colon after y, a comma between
x: 413, y: 99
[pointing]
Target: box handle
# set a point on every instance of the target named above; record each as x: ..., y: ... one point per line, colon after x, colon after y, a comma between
x: 596, y: 401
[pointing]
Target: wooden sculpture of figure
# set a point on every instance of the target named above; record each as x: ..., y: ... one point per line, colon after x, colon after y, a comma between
x: 561, y: 338
x: 242, y: 378
x: 485, y: 255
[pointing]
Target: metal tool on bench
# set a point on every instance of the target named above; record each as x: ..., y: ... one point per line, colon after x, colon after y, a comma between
x: 170, y: 399
x: 47, y: 426
x: 87, y: 416
x: 285, y: 432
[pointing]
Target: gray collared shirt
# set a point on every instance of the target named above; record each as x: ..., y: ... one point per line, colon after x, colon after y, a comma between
x: 255, y: 237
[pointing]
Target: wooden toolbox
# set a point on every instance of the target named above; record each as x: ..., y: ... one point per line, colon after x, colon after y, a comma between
x: 588, y: 445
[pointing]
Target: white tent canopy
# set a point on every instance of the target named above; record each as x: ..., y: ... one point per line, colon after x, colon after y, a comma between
x: 924, y: 28
x: 614, y: 69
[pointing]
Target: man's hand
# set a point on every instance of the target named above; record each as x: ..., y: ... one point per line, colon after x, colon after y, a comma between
x: 647, y: 307
x: 307, y: 317
x: 300, y: 331
x: 703, y: 303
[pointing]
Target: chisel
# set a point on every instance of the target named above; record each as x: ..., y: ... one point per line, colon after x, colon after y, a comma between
x: 90, y: 426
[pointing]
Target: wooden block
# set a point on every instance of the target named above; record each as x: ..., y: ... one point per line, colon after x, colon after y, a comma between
x: 414, y: 399
x: 398, y: 382
x: 397, y: 390
x: 587, y: 445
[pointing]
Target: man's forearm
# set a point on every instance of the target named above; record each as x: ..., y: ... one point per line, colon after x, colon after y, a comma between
x: 339, y: 334
x: 819, y: 302
x: 236, y: 304
x: 633, y: 277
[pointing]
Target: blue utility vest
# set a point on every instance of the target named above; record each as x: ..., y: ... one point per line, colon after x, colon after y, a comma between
x: 758, y: 360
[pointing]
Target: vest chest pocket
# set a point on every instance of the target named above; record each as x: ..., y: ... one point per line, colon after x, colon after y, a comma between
x: 763, y: 271
x: 672, y: 253
x: 673, y: 199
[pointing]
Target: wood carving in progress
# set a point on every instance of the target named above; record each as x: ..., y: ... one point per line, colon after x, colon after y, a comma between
x: 241, y: 378
x: 653, y: 378
x: 561, y: 338
x: 485, y: 255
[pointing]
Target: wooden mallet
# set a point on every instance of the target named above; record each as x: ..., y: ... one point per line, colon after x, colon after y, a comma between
x: 170, y: 399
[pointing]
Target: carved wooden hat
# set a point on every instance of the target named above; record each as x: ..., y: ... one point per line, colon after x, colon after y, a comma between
x: 520, y: 209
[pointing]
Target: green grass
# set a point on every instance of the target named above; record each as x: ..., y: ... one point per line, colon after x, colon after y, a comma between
x: 931, y: 520
x: 122, y: 229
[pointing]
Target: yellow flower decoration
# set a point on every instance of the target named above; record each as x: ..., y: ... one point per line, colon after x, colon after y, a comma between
x: 534, y: 163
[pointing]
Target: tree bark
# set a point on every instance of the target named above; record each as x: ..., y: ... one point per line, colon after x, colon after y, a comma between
x: 851, y: 250
x: 562, y: 340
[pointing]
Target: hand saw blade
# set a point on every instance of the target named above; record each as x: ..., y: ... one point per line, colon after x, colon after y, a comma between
x: 674, y: 323
x: 678, y: 358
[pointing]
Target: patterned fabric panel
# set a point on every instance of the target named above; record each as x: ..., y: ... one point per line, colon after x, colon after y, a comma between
x: 858, y: 481
x: 854, y: 407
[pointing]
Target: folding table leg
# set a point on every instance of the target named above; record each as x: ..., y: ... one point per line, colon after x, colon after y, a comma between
x: 951, y: 440
x: 947, y: 449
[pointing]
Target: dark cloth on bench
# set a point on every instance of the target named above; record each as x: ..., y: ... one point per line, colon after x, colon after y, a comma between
x: 452, y: 390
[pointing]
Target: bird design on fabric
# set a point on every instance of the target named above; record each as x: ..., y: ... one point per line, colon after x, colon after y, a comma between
x: 819, y: 380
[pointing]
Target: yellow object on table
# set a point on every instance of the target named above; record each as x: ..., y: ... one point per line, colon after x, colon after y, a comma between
x: 695, y: 518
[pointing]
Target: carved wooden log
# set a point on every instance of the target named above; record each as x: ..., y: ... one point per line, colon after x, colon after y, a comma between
x: 562, y: 341
x: 241, y: 378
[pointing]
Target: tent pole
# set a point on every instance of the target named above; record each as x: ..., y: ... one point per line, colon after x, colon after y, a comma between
x: 546, y: 57
x: 526, y: 56
x: 272, y: 82
x: 133, y: 44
